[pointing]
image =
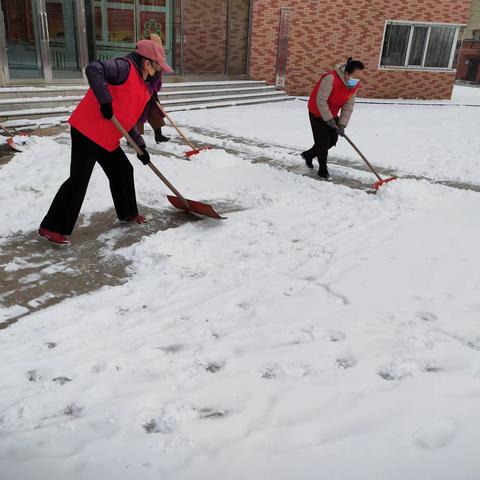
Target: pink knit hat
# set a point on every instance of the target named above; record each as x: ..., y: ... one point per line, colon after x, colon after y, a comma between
x: 151, y: 50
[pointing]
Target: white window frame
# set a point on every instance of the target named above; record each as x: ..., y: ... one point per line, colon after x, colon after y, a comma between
x: 450, y: 68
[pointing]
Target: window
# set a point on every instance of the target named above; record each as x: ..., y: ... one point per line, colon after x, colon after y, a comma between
x: 476, y: 35
x: 409, y: 45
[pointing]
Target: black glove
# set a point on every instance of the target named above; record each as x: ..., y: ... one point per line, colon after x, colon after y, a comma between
x: 144, y: 157
x: 107, y: 110
x: 341, y: 130
x: 332, y: 123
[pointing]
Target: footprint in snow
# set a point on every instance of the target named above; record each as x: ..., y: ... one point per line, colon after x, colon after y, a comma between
x: 213, y: 367
x: 345, y: 363
x: 33, y: 376
x: 171, y: 349
x: 61, y: 380
x: 286, y: 370
x: 387, y: 375
x: 437, y: 434
x: 473, y: 344
x: 399, y: 369
x: 50, y: 345
x: 211, y: 413
x: 72, y: 410
x: 433, y: 368
x: 269, y: 373
x: 336, y: 336
x: 177, y: 413
x: 427, y: 316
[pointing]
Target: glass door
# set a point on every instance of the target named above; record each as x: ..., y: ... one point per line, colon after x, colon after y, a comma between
x: 114, y: 28
x: 23, y: 34
x: 63, y: 39
x: 41, y: 40
x: 155, y: 16
x: 118, y: 25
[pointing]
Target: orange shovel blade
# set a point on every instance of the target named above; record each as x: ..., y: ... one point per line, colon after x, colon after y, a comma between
x: 198, y: 208
x: 191, y: 153
x: 378, y: 184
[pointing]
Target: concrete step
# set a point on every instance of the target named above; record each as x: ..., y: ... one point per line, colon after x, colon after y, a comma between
x: 58, y: 115
x: 76, y: 90
x: 237, y: 103
x: 22, y: 104
x: 11, y: 104
x: 223, y: 98
x: 192, y: 101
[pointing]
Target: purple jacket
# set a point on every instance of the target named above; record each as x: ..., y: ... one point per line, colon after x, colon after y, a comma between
x: 153, y: 87
x: 100, y: 73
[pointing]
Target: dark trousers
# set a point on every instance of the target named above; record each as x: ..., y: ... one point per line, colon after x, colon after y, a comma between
x: 66, y: 205
x: 324, y: 137
x: 155, y: 118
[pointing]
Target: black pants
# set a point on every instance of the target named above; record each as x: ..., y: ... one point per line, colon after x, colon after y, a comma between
x: 66, y: 205
x: 324, y: 137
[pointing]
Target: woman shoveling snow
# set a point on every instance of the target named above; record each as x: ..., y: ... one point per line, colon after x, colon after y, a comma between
x: 152, y: 114
x: 334, y: 93
x: 119, y: 87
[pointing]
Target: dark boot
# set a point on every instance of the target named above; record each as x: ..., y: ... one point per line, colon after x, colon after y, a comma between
x: 324, y: 173
x: 159, y: 137
x: 322, y: 167
x: 308, y: 160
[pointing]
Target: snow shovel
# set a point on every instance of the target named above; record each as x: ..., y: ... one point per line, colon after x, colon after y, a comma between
x: 178, y: 201
x: 381, y: 180
x: 194, y: 150
x: 10, y: 142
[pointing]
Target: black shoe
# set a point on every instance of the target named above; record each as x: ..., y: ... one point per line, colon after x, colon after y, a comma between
x: 324, y: 173
x: 159, y: 137
x: 308, y: 161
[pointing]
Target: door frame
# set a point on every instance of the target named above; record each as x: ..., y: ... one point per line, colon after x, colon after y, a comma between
x: 42, y: 41
x: 169, y: 40
x: 473, y: 70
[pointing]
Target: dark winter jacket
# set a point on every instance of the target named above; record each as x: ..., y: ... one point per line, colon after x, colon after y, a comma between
x: 115, y: 72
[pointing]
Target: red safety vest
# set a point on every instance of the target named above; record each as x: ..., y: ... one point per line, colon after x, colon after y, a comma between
x: 338, y: 97
x: 128, y: 101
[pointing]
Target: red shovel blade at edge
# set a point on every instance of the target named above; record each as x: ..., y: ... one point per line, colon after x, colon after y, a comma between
x: 15, y: 146
x: 198, y: 208
x: 191, y: 153
x: 378, y: 184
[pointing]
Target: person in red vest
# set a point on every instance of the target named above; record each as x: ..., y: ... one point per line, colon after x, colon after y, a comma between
x: 153, y: 114
x: 118, y: 87
x: 333, y: 94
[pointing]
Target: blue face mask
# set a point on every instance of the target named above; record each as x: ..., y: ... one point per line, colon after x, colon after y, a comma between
x: 352, y: 82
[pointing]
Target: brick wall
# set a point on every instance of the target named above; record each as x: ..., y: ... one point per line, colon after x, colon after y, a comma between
x: 204, y: 35
x: 328, y: 32
x: 238, y: 18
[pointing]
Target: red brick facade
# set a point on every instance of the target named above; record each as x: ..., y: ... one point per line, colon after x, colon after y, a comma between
x: 215, y: 36
x: 237, y: 40
x: 204, y: 36
x: 322, y: 34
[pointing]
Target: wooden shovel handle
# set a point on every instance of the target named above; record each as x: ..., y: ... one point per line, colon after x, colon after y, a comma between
x: 370, y: 166
x: 5, y: 129
x: 139, y: 151
x: 187, y: 141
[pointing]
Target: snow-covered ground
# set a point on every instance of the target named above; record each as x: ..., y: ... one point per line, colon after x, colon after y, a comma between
x: 318, y: 332
x: 438, y: 142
